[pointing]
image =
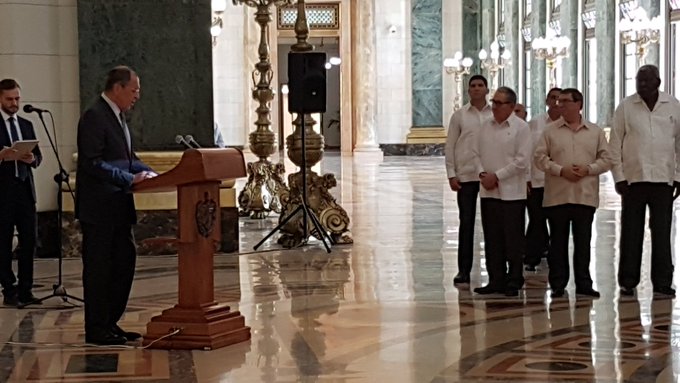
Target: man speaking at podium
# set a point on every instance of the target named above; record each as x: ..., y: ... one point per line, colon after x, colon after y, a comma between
x: 107, y: 169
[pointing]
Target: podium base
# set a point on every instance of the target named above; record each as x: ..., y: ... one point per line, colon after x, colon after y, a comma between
x: 202, y: 328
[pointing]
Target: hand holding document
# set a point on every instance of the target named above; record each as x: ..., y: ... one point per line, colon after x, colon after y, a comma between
x: 19, y: 151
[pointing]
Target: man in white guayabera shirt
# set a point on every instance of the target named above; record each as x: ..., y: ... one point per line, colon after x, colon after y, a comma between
x: 645, y: 146
x: 461, y: 168
x: 504, y: 149
x: 538, y: 237
x: 573, y: 153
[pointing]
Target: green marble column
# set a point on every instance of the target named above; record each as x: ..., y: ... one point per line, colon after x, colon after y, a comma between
x: 538, y: 75
x: 569, y: 18
x: 488, y: 23
x: 513, y: 42
x: 169, y: 45
x: 607, y: 12
x: 426, y: 58
x: 472, y: 34
x: 653, y: 9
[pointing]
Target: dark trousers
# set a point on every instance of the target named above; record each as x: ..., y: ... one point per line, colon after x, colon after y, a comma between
x: 579, y: 220
x: 537, y: 231
x: 659, y: 198
x: 17, y: 209
x: 467, y: 208
x: 109, y: 256
x: 504, y: 242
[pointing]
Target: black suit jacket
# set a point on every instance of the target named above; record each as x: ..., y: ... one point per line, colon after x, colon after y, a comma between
x: 7, y: 170
x: 105, y: 169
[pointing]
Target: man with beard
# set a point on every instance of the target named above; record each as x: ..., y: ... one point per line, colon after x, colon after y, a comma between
x: 17, y: 198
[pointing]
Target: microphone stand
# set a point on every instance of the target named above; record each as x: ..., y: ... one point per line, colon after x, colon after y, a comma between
x: 58, y: 289
x: 307, y: 213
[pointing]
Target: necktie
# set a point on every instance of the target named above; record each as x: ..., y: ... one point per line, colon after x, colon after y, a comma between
x: 20, y: 170
x: 126, y: 131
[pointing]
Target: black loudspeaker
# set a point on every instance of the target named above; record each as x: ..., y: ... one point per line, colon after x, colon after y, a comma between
x: 307, y: 82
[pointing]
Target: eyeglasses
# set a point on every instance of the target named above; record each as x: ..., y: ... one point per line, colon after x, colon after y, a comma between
x: 564, y: 102
x: 500, y: 103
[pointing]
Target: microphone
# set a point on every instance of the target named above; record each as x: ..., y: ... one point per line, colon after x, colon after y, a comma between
x: 28, y: 108
x: 189, y: 138
x: 180, y: 140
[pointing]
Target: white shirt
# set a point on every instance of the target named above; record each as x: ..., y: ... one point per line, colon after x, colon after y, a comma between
x: 537, y: 126
x: 505, y: 149
x: 461, y: 161
x: 644, y: 144
x: 562, y: 146
x: 6, y: 117
x: 114, y: 107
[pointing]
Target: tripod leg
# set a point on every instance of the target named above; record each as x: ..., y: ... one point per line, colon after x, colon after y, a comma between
x: 317, y: 226
x: 323, y: 232
x: 278, y: 227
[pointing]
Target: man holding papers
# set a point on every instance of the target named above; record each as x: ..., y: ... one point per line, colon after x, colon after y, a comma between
x: 17, y: 197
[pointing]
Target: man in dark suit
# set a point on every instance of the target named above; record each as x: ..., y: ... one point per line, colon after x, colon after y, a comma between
x: 107, y: 169
x: 17, y: 198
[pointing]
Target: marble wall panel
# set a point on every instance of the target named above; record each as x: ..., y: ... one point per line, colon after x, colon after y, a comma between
x: 167, y: 42
x: 426, y: 56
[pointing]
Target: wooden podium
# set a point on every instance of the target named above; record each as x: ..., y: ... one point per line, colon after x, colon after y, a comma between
x: 203, y: 323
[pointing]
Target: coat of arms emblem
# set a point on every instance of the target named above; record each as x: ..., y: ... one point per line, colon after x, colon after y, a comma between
x: 206, y: 215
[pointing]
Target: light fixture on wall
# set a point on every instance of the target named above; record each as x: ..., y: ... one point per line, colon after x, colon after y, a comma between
x: 333, y: 61
x: 551, y: 49
x: 638, y: 29
x: 494, y: 61
x: 458, y: 66
x: 218, y: 7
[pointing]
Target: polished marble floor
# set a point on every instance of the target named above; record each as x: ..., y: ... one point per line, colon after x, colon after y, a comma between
x: 381, y: 310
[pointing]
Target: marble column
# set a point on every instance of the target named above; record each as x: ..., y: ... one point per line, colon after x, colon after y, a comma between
x: 569, y: 18
x: 472, y: 34
x: 513, y: 42
x: 426, y: 56
x: 364, y: 77
x: 605, y: 30
x: 488, y: 24
x: 653, y: 9
x: 538, y: 77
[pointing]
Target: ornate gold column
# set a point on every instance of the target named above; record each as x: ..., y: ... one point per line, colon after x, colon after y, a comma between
x: 265, y: 182
x: 332, y: 216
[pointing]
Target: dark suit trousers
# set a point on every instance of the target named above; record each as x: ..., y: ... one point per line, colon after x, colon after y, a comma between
x: 578, y: 219
x: 659, y: 198
x: 108, y: 269
x: 467, y: 210
x: 537, y: 230
x: 504, y: 242
x: 17, y: 208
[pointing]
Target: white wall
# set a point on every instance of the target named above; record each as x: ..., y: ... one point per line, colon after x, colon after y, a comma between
x: 39, y: 48
x: 394, y: 70
x: 229, y: 84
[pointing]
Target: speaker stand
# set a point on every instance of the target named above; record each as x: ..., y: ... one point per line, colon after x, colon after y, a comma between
x: 307, y: 213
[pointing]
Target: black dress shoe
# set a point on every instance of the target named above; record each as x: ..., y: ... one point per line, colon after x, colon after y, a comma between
x: 107, y: 339
x: 588, y: 291
x: 511, y: 292
x: 666, y: 290
x: 488, y: 289
x: 627, y: 291
x: 129, y: 335
x: 26, y: 299
x: 10, y: 300
x: 461, y: 278
x: 557, y: 293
